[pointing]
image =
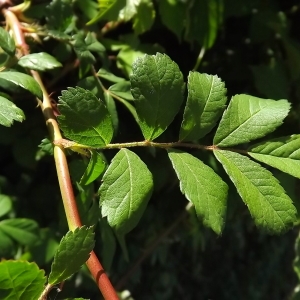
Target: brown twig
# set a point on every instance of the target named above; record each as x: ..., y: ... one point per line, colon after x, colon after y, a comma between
x: 63, y: 174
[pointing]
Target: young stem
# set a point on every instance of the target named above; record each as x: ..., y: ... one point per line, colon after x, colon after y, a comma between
x: 63, y: 174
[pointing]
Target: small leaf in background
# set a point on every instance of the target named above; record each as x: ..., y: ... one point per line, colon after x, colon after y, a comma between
x: 73, y: 251
x: 271, y: 80
x: 145, y: 16
x: 93, y: 44
x: 129, y: 176
x: 157, y: 87
x: 60, y: 15
x: 111, y: 107
x: 84, y: 118
x: 248, y: 118
x: 39, y: 61
x: 81, y: 49
x: 6, y: 245
x: 108, y: 10
x: 267, y: 201
x: 24, y: 231
x: 205, y: 104
x: 21, y: 280
x: 203, y: 21
x: 5, y: 204
x: 122, y: 89
x: 46, y: 146
x: 24, y: 81
x: 103, y: 73
x: 281, y: 153
x: 7, y: 43
x: 9, y: 112
x: 94, y: 169
x: 203, y: 187
x: 172, y: 14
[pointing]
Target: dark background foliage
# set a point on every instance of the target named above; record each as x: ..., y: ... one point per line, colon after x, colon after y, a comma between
x: 172, y: 256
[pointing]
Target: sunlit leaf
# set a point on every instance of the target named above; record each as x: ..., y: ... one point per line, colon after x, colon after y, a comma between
x: 270, y: 207
x: 248, y: 118
x: 9, y: 112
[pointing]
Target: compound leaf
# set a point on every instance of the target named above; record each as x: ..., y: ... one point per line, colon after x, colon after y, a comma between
x: 157, y: 87
x: 132, y: 180
x: 205, y: 104
x: 24, y: 81
x: 248, y: 118
x: 73, y: 251
x: 203, y: 187
x: 267, y: 201
x: 84, y: 118
x: 9, y: 112
x: 281, y: 153
x: 20, y: 280
x: 39, y: 61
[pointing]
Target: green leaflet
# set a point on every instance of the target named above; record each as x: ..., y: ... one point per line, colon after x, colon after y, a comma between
x: 122, y: 89
x: 20, y: 280
x: 248, y: 118
x: 84, y: 119
x: 205, y: 104
x: 157, y: 87
x: 125, y: 191
x: 22, y: 230
x: 203, y: 187
x: 5, y: 204
x: 108, y: 10
x: 267, y: 201
x: 9, y: 112
x: 39, y: 61
x: 24, y: 81
x: 94, y: 169
x: 7, y: 43
x: 281, y: 153
x: 73, y: 251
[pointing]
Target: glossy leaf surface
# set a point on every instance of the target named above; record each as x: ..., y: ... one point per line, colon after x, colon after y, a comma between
x: 282, y: 153
x: 248, y: 118
x: 20, y: 280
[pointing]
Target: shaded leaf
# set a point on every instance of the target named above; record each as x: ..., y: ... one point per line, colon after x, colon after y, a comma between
x: 203, y: 187
x: 248, y: 118
x: 281, y: 153
x: 111, y: 107
x: 23, y: 80
x: 267, y: 201
x: 94, y: 169
x: 84, y: 118
x: 108, y: 10
x: 205, y: 104
x: 9, y: 112
x: 24, y: 231
x: 73, y: 251
x: 103, y: 73
x: 144, y: 18
x: 21, y: 280
x: 132, y: 180
x: 122, y: 89
x: 7, y: 43
x: 39, y: 61
x: 157, y: 87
